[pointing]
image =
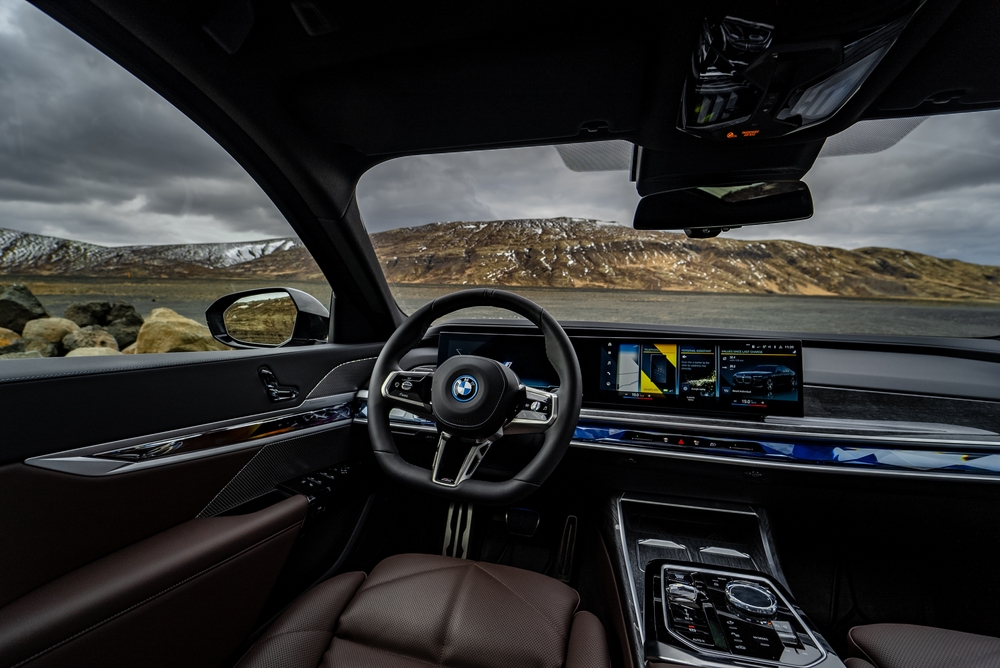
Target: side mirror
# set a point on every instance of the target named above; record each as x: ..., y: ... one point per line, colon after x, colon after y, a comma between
x: 705, y: 212
x: 268, y: 318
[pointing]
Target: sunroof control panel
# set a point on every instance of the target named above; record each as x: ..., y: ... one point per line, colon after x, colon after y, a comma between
x: 726, y: 617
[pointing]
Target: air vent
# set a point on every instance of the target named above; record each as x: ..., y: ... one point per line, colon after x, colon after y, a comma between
x: 314, y: 18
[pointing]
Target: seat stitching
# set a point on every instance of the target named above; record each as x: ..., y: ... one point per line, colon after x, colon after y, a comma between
x: 382, y: 649
x: 857, y: 646
x: 551, y: 622
x: 451, y: 615
x: 364, y: 589
x: 156, y: 595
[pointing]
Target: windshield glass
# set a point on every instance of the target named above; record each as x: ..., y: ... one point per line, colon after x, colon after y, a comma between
x: 904, y: 241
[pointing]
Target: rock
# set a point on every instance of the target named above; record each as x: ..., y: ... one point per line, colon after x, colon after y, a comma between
x: 88, y: 313
x: 92, y: 352
x: 53, y: 330
x: 8, y: 336
x: 120, y: 311
x: 90, y: 336
x: 124, y: 332
x: 129, y: 350
x: 21, y: 356
x: 18, y: 306
x: 166, y: 331
x: 29, y: 344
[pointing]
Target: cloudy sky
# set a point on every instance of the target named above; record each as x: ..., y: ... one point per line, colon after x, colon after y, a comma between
x: 89, y: 153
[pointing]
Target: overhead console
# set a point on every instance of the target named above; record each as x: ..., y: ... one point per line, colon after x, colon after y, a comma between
x: 718, y: 376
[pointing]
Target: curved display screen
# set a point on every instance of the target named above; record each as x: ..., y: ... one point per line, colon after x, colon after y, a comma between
x: 745, y: 377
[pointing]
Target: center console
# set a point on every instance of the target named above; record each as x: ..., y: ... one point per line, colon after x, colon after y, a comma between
x: 705, y: 589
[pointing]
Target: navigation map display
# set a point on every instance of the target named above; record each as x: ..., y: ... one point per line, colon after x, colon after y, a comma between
x: 748, y: 377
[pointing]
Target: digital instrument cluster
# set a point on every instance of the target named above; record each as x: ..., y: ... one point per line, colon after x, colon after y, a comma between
x: 745, y: 377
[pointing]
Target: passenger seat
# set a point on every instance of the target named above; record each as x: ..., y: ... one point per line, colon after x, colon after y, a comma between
x: 907, y: 646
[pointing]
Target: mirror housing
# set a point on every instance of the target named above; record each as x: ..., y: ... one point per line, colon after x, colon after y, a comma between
x: 705, y: 212
x: 311, y: 324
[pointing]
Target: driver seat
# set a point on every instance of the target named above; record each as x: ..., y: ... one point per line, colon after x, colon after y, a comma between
x: 417, y: 610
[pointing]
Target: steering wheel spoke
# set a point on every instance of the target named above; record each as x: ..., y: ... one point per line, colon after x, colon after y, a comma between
x: 456, y: 459
x: 410, y: 391
x: 539, y: 412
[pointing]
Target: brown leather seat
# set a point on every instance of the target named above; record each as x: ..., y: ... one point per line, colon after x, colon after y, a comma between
x: 420, y: 610
x: 906, y: 646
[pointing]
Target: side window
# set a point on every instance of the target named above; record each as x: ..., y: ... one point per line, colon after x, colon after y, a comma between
x: 121, y: 221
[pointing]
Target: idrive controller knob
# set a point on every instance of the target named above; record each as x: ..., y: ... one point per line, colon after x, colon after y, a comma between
x: 751, y: 597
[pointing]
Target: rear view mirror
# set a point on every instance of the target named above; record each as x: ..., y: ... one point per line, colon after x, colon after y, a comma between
x: 705, y: 212
x: 268, y: 318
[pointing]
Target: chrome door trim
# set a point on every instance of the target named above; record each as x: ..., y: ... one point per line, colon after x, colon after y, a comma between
x: 93, y: 460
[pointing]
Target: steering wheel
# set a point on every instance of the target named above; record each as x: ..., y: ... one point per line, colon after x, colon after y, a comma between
x: 474, y: 401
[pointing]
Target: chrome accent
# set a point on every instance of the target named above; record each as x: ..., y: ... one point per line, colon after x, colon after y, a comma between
x: 728, y: 658
x: 733, y: 599
x: 724, y: 551
x: 96, y: 460
x: 533, y: 421
x: 762, y: 463
x: 779, y: 427
x: 666, y: 544
x: 427, y: 408
x: 682, y: 592
x: 477, y: 451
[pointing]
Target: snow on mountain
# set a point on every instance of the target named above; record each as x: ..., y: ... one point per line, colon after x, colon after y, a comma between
x: 22, y: 253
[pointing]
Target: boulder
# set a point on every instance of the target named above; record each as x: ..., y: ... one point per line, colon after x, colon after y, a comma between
x: 18, y: 306
x: 21, y: 356
x: 8, y: 336
x: 88, y: 313
x: 166, y: 331
x: 120, y: 311
x: 29, y: 344
x: 129, y: 350
x: 53, y: 330
x: 90, y: 336
x: 92, y: 352
x: 125, y: 333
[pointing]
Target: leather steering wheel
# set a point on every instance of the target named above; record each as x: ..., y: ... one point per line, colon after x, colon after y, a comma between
x: 474, y: 401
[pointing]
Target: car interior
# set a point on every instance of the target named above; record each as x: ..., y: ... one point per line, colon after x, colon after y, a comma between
x: 392, y: 484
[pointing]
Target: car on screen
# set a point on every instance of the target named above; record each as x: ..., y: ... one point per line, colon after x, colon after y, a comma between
x: 769, y: 376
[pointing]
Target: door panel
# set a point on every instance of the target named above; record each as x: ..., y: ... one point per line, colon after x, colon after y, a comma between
x: 151, y: 604
x: 79, y: 550
x: 105, y: 401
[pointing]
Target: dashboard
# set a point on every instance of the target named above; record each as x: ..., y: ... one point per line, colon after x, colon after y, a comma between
x: 846, y: 408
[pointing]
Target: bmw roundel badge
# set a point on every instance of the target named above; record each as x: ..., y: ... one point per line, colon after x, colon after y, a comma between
x: 465, y: 388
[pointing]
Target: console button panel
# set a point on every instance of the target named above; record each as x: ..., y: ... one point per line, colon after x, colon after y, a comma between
x: 729, y: 617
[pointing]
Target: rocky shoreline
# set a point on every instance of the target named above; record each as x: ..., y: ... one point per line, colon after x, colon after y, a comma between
x: 93, y: 328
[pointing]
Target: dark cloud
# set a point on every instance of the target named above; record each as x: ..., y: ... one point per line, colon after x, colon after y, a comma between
x: 88, y: 152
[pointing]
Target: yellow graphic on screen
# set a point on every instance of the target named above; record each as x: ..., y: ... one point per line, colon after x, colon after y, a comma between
x: 648, y: 385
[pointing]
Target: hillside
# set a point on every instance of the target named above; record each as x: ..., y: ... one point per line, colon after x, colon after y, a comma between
x: 554, y: 253
x: 562, y: 252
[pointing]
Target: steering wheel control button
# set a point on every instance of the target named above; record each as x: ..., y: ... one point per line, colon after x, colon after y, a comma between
x: 465, y: 388
x: 406, y: 385
x: 752, y: 598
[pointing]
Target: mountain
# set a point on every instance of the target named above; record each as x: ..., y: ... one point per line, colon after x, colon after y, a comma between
x: 27, y: 254
x: 563, y: 252
x: 555, y: 252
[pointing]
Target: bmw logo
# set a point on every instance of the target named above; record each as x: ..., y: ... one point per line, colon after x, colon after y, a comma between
x: 465, y: 388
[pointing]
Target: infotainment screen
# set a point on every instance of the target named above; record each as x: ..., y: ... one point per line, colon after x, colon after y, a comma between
x: 749, y: 377
x: 743, y: 377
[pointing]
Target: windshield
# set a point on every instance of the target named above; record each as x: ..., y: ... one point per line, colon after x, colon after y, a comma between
x: 904, y: 240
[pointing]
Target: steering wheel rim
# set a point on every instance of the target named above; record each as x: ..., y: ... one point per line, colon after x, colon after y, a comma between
x: 564, y: 409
